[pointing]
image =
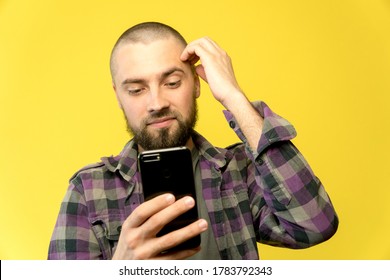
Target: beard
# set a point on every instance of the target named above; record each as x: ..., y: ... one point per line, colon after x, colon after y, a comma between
x: 165, y: 137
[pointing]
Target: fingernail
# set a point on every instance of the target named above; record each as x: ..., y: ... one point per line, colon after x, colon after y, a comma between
x: 190, y: 202
x: 202, y: 224
x: 170, y: 198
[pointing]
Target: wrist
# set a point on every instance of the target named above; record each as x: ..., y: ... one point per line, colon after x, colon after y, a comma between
x: 235, y: 101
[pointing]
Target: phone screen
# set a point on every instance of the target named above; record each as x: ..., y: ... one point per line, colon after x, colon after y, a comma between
x: 170, y: 171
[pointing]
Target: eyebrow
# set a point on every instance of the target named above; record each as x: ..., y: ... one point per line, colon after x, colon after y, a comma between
x: 162, y: 76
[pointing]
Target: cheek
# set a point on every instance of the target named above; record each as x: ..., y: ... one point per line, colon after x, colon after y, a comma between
x: 186, y: 97
x: 133, y: 115
x: 186, y: 106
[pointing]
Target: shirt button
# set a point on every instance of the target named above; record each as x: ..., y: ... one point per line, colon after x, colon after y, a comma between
x: 232, y: 124
x: 260, y: 161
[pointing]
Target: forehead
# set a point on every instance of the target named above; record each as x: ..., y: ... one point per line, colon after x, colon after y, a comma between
x: 143, y: 59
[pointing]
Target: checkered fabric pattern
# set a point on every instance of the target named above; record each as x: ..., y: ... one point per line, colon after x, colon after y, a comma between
x: 270, y: 195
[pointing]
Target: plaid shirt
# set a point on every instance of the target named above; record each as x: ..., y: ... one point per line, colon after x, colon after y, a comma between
x: 270, y: 196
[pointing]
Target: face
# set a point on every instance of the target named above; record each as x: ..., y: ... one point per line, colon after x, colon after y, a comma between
x: 157, y: 92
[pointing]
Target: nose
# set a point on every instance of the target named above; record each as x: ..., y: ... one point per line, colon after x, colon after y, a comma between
x: 157, y: 101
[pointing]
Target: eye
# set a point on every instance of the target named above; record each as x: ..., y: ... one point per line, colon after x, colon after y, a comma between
x: 135, y: 91
x: 173, y: 84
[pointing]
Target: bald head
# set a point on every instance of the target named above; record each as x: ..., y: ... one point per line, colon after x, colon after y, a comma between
x: 145, y: 33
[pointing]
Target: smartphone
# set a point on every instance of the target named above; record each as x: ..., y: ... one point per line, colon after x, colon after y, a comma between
x: 170, y: 171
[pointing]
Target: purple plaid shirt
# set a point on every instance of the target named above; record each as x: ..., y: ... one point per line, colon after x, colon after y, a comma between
x: 270, y: 196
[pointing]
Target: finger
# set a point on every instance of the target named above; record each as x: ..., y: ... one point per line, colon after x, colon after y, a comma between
x: 174, y: 238
x: 194, y: 59
x: 205, y: 43
x: 195, y: 50
x: 156, y: 222
x: 178, y: 255
x: 201, y: 72
x: 158, y: 247
x: 189, y: 55
x: 147, y: 209
x: 210, y: 44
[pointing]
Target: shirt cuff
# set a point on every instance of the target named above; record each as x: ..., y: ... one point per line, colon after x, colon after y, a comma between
x: 275, y: 128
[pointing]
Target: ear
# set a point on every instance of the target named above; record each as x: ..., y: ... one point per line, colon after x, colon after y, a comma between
x: 197, y: 85
x: 117, y: 95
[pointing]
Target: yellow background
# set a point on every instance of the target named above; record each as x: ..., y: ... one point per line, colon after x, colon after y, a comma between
x: 324, y: 65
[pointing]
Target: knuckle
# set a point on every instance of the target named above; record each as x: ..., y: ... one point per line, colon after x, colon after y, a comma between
x: 153, y: 223
x: 180, y: 208
x: 169, y: 241
x: 138, y: 216
x: 132, y: 240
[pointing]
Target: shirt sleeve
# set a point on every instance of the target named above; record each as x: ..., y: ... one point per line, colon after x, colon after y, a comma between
x: 290, y: 206
x: 73, y: 237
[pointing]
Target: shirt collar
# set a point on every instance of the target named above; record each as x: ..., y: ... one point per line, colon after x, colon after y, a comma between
x: 218, y: 156
x: 126, y: 163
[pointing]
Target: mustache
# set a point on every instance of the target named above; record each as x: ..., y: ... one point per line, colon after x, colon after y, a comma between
x: 160, y: 114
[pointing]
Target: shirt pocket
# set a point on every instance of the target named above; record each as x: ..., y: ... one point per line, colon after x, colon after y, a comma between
x: 107, y: 230
x: 239, y: 234
x: 236, y: 206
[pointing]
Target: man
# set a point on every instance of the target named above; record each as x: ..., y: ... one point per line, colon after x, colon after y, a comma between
x: 261, y: 190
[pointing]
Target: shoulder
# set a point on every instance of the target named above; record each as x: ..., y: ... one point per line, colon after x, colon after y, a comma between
x: 236, y: 147
x: 88, y: 171
x: 237, y: 150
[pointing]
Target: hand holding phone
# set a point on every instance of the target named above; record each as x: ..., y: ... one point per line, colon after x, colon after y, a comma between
x: 138, y: 241
x: 170, y: 171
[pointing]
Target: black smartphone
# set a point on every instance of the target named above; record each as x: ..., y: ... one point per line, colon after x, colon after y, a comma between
x: 170, y: 171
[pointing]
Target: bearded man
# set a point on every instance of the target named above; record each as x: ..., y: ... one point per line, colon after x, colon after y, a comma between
x: 259, y: 190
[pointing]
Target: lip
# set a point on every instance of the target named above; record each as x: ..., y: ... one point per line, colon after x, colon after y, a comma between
x: 162, y: 122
